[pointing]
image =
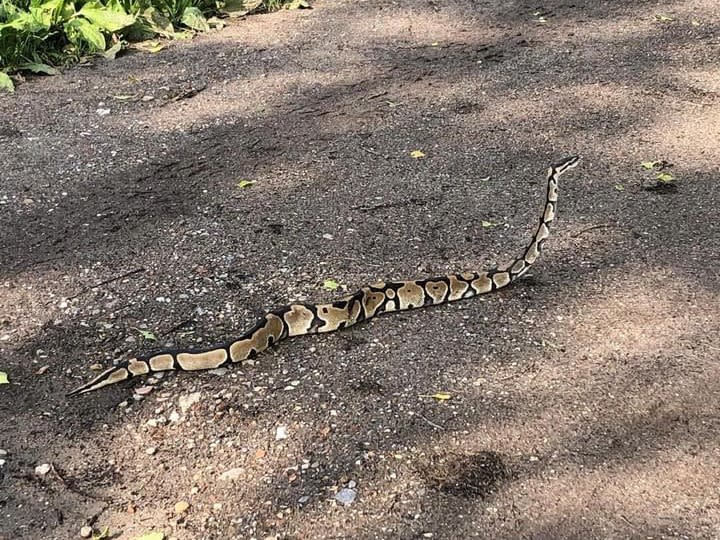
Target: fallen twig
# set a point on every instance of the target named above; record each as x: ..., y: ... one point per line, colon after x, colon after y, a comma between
x: 433, y: 424
x: 186, y: 95
x: 371, y: 151
x: 107, y: 281
x: 592, y: 228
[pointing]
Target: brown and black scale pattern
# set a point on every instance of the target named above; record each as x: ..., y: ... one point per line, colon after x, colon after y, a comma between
x: 302, y: 318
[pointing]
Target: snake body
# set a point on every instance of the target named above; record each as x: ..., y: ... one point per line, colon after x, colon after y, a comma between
x: 385, y: 297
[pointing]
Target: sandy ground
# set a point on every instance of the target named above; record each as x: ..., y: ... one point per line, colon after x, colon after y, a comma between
x: 584, y: 398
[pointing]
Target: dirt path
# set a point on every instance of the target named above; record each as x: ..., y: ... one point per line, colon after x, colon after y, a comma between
x: 585, y: 399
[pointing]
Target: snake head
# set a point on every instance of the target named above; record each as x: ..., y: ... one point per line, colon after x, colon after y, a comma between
x: 565, y: 164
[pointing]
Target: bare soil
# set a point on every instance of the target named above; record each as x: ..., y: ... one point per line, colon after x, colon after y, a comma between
x: 584, y: 399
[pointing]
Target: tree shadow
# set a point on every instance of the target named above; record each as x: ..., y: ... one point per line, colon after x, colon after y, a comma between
x: 320, y: 145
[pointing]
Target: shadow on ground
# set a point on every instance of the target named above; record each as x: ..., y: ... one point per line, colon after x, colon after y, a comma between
x: 583, y: 398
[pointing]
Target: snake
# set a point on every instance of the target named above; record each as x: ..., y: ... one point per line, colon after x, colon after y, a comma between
x: 299, y: 319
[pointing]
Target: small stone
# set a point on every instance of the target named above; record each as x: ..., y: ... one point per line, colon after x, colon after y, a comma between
x: 2, y: 462
x: 351, y: 484
x: 144, y: 390
x: 181, y: 507
x: 103, y: 112
x: 232, y: 474
x: 218, y: 371
x: 217, y: 506
x: 304, y: 499
x: 188, y: 401
x: 150, y: 450
x: 42, y: 470
x: 174, y: 416
x: 3, y: 452
x: 281, y: 433
x: 86, y: 531
x: 97, y: 367
x: 327, y: 236
x: 346, y: 496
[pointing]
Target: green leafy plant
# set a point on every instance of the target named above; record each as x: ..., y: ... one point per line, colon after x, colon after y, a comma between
x: 39, y: 35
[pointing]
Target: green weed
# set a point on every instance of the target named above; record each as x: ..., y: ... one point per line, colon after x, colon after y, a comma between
x: 40, y: 35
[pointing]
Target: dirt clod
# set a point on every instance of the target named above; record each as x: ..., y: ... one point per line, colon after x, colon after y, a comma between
x: 472, y: 475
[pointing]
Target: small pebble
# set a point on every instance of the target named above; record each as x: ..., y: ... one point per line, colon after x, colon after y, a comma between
x: 346, y: 496
x: 150, y: 450
x: 86, y: 531
x: 281, y: 433
x: 304, y: 499
x: 232, y: 474
x: 188, y: 401
x: 42, y: 470
x: 181, y: 507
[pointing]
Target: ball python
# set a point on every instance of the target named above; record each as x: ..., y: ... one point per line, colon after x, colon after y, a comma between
x: 384, y: 297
